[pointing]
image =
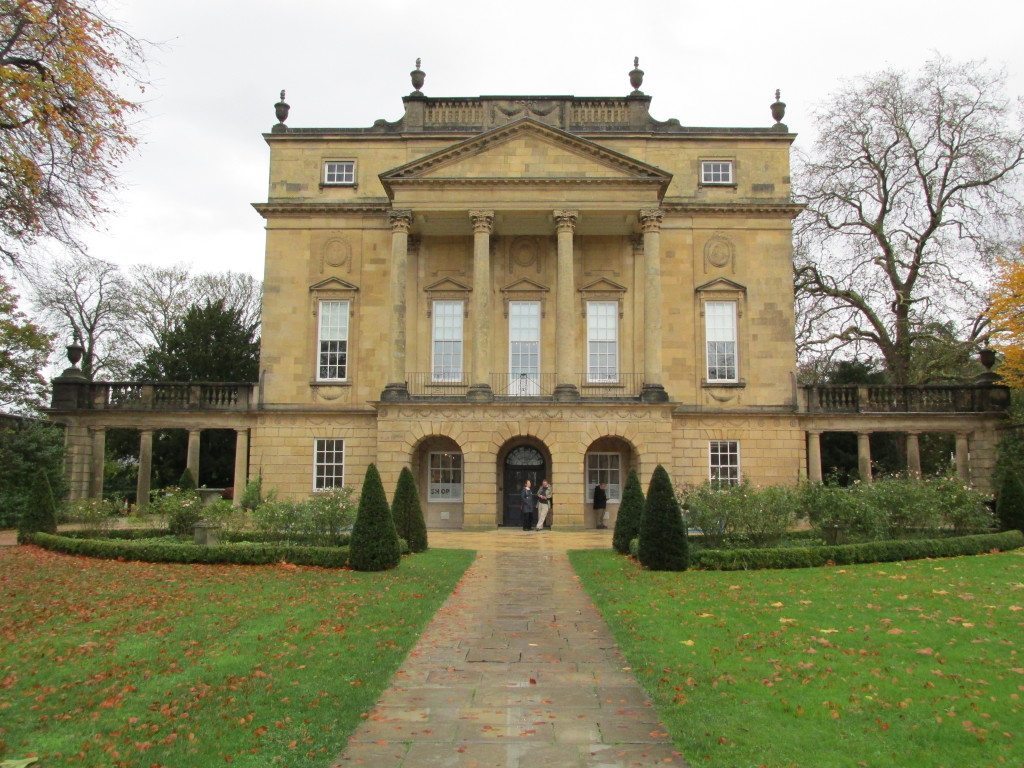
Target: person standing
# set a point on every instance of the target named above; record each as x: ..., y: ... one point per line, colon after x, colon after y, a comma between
x: 601, y: 505
x: 543, y: 503
x: 527, y: 505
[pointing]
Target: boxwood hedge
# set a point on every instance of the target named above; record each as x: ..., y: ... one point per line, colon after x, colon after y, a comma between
x: 252, y: 553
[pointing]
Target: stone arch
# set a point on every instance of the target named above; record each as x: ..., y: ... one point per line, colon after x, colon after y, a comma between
x: 438, y: 464
x: 607, y: 457
x: 506, y: 509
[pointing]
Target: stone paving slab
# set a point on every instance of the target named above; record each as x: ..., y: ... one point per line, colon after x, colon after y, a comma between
x: 517, y: 670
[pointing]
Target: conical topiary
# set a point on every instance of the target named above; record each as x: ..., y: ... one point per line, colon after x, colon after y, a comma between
x: 1010, y: 502
x: 39, y: 514
x: 627, y: 523
x: 187, y: 482
x: 374, y: 545
x: 663, y: 543
x: 408, y: 514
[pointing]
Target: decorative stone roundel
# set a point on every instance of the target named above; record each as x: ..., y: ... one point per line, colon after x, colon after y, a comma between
x: 338, y: 253
x: 719, y: 251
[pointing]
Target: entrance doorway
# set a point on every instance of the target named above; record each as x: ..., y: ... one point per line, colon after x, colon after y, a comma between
x: 522, y: 464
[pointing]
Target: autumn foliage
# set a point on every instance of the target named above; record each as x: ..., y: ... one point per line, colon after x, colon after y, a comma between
x: 64, y: 129
x: 1006, y: 312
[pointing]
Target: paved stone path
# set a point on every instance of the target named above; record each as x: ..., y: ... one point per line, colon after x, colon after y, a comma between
x: 516, y: 670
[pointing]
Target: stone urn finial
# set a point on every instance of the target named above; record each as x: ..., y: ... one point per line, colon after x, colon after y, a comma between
x: 281, y: 111
x: 778, y: 112
x: 418, y: 76
x: 636, y: 77
x: 75, y: 350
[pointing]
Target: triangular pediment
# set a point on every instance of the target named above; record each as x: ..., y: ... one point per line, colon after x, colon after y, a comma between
x: 525, y: 285
x: 447, y: 285
x: 721, y: 284
x: 333, y: 284
x: 524, y: 151
x: 603, y: 285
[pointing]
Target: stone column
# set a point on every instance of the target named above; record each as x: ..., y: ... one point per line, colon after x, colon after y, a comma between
x: 480, y: 386
x: 864, y: 456
x: 565, y: 296
x: 650, y: 224
x: 192, y: 457
x: 963, y: 466
x: 241, y: 465
x: 914, y: 455
x: 145, y: 468
x: 814, y: 457
x: 397, y: 387
x: 99, y: 447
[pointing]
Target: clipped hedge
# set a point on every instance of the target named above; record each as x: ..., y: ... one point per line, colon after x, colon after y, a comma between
x: 849, y: 554
x: 166, y: 552
x: 231, y: 537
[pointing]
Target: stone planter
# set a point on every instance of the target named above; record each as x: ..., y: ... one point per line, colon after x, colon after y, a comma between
x: 206, y: 534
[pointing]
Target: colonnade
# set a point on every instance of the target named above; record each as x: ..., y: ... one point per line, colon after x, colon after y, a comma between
x: 566, y: 354
x: 913, y: 446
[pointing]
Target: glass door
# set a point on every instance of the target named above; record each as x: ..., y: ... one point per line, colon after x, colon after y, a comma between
x: 524, y: 348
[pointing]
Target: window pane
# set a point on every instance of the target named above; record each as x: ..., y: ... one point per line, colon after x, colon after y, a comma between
x: 720, y: 335
x: 602, y: 341
x: 603, y: 468
x: 333, y: 340
x: 724, y: 462
x: 447, y: 341
x: 328, y: 464
x: 445, y: 477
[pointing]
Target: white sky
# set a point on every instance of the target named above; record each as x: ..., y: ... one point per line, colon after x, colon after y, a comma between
x: 221, y: 64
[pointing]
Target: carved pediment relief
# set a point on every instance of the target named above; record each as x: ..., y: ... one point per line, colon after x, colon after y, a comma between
x: 602, y: 289
x: 525, y: 151
x: 526, y: 289
x: 332, y: 288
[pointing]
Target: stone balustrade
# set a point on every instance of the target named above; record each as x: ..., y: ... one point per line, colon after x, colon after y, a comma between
x: 951, y: 398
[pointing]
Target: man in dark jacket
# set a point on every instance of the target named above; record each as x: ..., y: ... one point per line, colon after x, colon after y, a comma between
x: 601, y: 505
x: 527, y: 506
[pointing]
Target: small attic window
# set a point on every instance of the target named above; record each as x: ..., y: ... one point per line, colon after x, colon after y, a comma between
x: 340, y: 173
x: 716, y: 172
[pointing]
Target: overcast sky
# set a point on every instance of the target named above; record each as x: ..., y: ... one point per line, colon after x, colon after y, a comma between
x: 220, y: 65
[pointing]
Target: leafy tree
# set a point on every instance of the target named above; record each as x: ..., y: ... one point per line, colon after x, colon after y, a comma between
x: 64, y: 130
x: 627, y: 523
x: 408, y: 513
x: 210, y: 343
x: 24, y: 347
x: 1010, y: 502
x: 1007, y: 315
x: 85, y: 298
x: 909, y: 192
x: 374, y: 544
x: 663, y: 543
x: 32, y: 483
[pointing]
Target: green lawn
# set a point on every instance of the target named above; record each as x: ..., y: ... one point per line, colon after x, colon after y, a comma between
x: 905, y: 664
x: 131, y: 664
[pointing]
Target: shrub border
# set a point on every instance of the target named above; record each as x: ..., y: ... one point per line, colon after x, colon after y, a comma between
x: 850, y: 554
x: 164, y: 552
x: 228, y: 537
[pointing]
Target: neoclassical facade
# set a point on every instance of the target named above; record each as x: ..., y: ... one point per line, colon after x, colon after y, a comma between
x: 497, y: 288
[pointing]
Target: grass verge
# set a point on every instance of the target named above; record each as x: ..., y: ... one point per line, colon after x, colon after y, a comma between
x: 134, y: 664
x: 903, y: 664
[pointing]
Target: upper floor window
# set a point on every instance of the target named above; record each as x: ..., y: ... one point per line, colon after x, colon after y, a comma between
x: 720, y: 337
x: 716, y: 172
x: 338, y: 172
x: 447, y: 341
x: 602, y: 341
x: 332, y: 341
x: 328, y: 464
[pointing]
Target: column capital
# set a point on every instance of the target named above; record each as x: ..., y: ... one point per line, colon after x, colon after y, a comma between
x: 650, y: 219
x: 483, y: 221
x: 400, y: 219
x: 565, y: 220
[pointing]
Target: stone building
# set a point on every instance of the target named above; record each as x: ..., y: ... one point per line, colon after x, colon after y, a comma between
x: 501, y: 287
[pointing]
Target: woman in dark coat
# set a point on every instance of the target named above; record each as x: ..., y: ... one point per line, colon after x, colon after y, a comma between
x: 601, y: 505
x: 528, y: 506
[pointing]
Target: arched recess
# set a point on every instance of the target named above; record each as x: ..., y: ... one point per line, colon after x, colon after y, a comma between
x: 516, y: 459
x: 607, y: 459
x: 438, y: 465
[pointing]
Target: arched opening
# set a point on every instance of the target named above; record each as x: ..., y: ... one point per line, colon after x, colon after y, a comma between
x: 607, y: 460
x: 437, y: 465
x: 520, y: 459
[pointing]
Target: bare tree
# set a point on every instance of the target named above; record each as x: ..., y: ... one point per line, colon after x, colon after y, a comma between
x: 240, y: 292
x: 87, y: 299
x: 910, y: 191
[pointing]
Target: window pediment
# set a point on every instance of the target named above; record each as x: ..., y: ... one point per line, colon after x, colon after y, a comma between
x: 333, y: 285
x: 721, y: 289
x: 447, y: 288
x: 601, y: 289
x: 526, y: 289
